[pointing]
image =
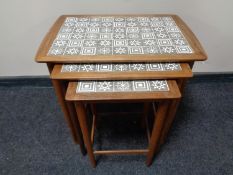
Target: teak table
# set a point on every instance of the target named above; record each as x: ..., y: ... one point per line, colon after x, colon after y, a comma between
x: 107, y: 40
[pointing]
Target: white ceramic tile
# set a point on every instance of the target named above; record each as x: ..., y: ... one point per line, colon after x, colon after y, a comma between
x: 122, y: 86
x: 119, y: 36
x: 116, y: 67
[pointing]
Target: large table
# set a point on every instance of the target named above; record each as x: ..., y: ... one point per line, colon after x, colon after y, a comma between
x: 106, y: 40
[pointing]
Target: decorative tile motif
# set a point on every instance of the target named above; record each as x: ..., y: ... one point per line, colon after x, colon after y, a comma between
x: 122, y: 86
x: 116, y: 67
x: 119, y: 36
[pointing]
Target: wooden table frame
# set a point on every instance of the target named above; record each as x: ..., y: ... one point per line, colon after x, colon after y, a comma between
x: 164, y: 98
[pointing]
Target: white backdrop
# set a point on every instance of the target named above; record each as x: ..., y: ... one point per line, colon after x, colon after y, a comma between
x: 24, y: 23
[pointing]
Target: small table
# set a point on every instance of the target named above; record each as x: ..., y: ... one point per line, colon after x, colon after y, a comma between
x: 75, y: 39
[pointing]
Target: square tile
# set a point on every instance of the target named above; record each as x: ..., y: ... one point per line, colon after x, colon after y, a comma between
x: 120, y: 42
x: 72, y: 51
x: 88, y: 51
x: 104, y: 50
x: 75, y: 43
x: 87, y: 68
x: 179, y: 42
x: 122, y: 86
x: 154, y: 67
x: 159, y: 85
x: 92, y: 30
x: 119, y: 30
x: 104, y: 86
x: 78, y: 36
x: 79, y: 30
x: 81, y: 24
x: 56, y: 51
x: 107, y: 19
x: 90, y: 43
x: 70, y: 68
x: 132, y: 30
x: 167, y: 49
x: 171, y: 67
x: 151, y: 50
x: 106, y: 36
x: 105, y: 43
x: 137, y: 67
x: 104, y: 67
x: 86, y: 86
x: 184, y: 49
x: 121, y: 67
x: 63, y: 36
x: 148, y: 35
x: 140, y: 85
x: 106, y: 30
x: 149, y: 42
x: 120, y: 50
x: 164, y: 42
x: 119, y: 36
x: 136, y: 50
x: 92, y: 36
x: 133, y: 36
x: 119, y: 24
x: 60, y: 43
x: 134, y: 42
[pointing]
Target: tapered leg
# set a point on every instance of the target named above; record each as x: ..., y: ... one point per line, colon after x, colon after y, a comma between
x: 68, y: 110
x: 173, y: 108
x: 156, y: 131
x: 171, y: 113
x: 81, y: 113
x: 146, y: 107
x: 75, y: 121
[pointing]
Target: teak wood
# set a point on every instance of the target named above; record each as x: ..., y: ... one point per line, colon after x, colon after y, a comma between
x: 184, y: 73
x: 198, y: 55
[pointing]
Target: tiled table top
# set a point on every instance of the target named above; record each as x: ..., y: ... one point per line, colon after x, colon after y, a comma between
x: 131, y: 67
x: 122, y: 86
x: 119, y: 36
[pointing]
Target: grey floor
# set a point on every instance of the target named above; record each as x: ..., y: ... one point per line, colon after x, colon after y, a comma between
x: 34, y: 139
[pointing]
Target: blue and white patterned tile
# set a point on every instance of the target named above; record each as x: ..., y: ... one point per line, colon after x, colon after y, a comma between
x: 122, y: 33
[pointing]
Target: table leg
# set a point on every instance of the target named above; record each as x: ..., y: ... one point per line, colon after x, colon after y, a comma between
x: 172, y: 109
x: 81, y: 113
x: 68, y: 110
x: 160, y: 117
x: 171, y: 113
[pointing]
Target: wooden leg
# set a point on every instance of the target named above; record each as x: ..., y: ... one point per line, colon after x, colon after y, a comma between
x: 156, y: 131
x: 146, y: 106
x: 75, y: 121
x: 60, y: 95
x: 81, y: 113
x: 59, y: 90
x: 68, y: 110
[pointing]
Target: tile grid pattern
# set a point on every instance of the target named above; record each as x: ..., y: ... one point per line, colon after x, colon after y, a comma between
x: 122, y: 86
x: 119, y: 36
x: 121, y: 67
